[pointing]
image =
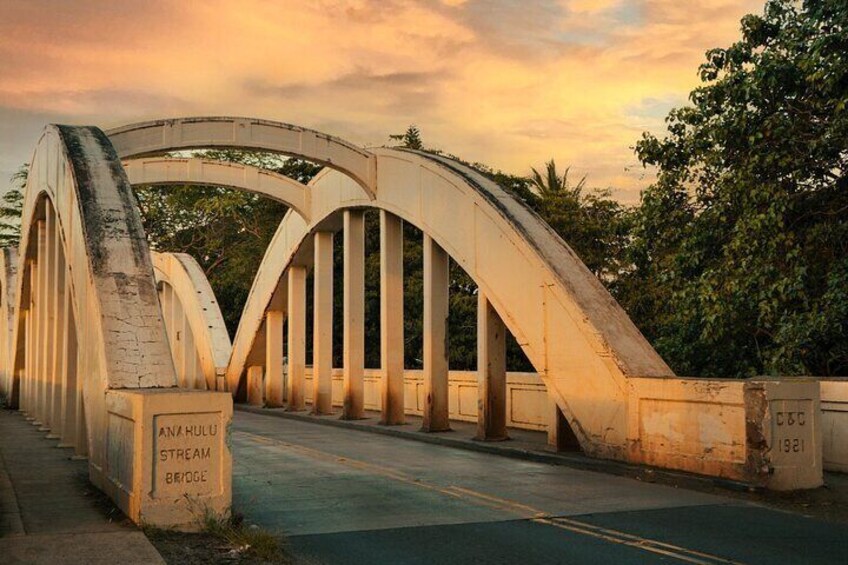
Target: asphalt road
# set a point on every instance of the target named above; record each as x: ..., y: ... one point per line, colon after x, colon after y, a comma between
x: 346, y: 496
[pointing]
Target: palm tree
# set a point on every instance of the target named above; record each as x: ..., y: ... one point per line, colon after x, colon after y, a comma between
x: 551, y: 184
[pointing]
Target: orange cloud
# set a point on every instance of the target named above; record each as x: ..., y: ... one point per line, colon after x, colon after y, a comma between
x: 509, y: 84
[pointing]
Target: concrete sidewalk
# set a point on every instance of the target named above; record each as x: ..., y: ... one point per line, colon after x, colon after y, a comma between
x: 50, y: 513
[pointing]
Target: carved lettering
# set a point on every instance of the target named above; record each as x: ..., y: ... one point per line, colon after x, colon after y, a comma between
x: 187, y: 454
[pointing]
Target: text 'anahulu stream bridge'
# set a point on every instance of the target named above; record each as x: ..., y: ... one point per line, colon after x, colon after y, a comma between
x: 123, y: 354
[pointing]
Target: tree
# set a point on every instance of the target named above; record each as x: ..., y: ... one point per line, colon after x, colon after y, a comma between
x: 593, y: 224
x: 12, y: 207
x: 411, y: 138
x: 741, y: 246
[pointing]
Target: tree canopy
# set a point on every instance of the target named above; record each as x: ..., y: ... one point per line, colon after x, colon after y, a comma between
x: 740, y: 246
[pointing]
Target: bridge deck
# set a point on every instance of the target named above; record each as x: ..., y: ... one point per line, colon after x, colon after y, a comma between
x: 345, y: 496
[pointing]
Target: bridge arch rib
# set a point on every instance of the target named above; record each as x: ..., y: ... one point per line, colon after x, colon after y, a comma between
x: 200, y: 344
x: 170, y: 171
x: 162, y: 136
x: 576, y: 336
x: 90, y: 353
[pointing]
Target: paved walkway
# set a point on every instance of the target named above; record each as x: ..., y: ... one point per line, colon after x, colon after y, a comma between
x: 50, y: 513
x: 345, y: 496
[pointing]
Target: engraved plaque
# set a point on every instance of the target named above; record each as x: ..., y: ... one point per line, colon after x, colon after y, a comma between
x: 187, y: 454
x: 792, y: 433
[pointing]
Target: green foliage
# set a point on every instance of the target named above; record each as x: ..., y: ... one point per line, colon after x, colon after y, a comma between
x: 410, y: 139
x: 226, y: 230
x: 593, y: 224
x: 739, y: 249
x: 11, y: 208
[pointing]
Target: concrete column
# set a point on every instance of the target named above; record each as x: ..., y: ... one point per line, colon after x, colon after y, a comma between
x: 37, y: 327
x: 27, y: 372
x: 44, y: 334
x: 354, y: 315
x: 189, y: 360
x: 296, y: 338
x: 391, y: 318
x: 274, y: 358
x: 32, y: 316
x: 58, y: 339
x: 255, y: 386
x: 322, y: 340
x: 491, y: 372
x: 177, y: 339
x: 435, y: 337
x: 70, y: 387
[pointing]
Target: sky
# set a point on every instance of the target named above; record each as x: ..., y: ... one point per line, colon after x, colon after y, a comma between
x: 509, y: 83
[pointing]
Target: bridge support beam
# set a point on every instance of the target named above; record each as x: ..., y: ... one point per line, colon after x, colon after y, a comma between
x: 391, y: 318
x: 435, y: 337
x: 491, y: 372
x: 274, y: 358
x: 296, y: 346
x: 354, y: 315
x: 68, y: 373
x: 58, y: 335
x: 40, y: 319
x: 322, y: 341
x: 26, y: 374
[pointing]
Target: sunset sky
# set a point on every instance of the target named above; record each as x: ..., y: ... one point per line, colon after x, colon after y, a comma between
x: 508, y: 83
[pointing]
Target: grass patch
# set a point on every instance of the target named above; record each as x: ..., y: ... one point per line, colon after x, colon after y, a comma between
x: 251, y: 541
x: 220, y: 541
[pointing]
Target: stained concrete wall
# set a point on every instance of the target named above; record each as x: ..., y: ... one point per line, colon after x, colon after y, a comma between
x: 834, y: 405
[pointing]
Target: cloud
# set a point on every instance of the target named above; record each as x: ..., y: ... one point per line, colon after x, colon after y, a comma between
x: 508, y: 83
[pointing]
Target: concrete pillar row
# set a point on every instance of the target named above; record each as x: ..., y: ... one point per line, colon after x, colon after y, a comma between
x: 354, y: 315
x: 391, y: 318
x: 435, y: 337
x: 296, y: 338
x: 491, y: 372
x: 274, y: 358
x: 322, y: 340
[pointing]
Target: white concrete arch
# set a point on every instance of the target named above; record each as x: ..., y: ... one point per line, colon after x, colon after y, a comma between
x: 200, y: 344
x: 90, y: 349
x: 8, y: 288
x: 157, y: 137
x: 171, y: 171
x: 577, y: 337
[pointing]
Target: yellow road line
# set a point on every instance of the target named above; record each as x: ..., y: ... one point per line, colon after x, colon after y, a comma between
x: 522, y: 510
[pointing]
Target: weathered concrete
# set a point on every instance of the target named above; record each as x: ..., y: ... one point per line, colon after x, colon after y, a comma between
x: 834, y: 423
x: 90, y: 350
x: 161, y: 136
x: 50, y: 513
x: 191, y: 314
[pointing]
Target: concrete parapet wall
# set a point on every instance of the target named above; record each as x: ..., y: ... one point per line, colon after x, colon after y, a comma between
x: 762, y: 432
x: 834, y: 406
x: 527, y: 399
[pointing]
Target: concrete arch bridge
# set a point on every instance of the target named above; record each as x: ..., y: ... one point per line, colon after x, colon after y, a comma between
x: 122, y: 353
